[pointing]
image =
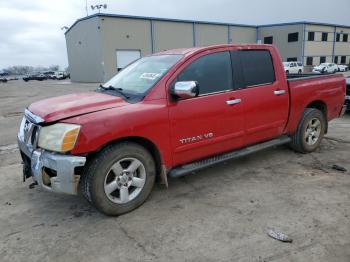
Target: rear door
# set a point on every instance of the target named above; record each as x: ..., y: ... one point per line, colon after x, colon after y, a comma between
x: 213, y: 122
x: 265, y: 97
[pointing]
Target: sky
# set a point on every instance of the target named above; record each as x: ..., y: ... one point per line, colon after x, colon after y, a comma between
x: 30, y: 30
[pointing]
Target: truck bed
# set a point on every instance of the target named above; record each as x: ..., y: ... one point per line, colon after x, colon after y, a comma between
x: 325, y: 91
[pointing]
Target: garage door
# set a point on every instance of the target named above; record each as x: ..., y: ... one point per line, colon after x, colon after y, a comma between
x: 125, y: 57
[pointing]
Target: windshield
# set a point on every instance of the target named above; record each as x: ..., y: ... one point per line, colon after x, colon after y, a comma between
x: 143, y: 74
x: 285, y: 64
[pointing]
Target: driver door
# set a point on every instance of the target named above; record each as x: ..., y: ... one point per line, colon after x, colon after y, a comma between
x: 212, y: 122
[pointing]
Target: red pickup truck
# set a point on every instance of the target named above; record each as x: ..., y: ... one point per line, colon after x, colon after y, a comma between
x: 170, y: 114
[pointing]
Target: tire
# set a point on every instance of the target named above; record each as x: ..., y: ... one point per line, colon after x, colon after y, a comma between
x: 287, y: 72
x: 98, y: 177
x: 299, y: 72
x: 301, y: 142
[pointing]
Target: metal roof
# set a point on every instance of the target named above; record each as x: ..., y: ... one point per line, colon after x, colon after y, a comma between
x: 197, y: 21
x: 155, y: 19
x: 303, y: 22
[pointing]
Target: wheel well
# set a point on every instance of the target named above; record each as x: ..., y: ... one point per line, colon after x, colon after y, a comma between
x: 320, y: 105
x: 147, y: 144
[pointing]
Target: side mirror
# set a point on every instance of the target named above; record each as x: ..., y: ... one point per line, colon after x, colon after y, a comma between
x: 185, y: 89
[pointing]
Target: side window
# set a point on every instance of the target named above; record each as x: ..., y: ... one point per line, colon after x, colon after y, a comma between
x: 257, y: 67
x: 213, y: 73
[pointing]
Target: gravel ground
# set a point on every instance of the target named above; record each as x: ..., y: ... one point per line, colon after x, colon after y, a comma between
x: 219, y: 214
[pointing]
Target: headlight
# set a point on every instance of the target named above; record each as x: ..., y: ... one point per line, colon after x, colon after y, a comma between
x: 58, y: 137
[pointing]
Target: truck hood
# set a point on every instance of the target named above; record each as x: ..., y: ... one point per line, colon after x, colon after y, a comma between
x: 57, y: 108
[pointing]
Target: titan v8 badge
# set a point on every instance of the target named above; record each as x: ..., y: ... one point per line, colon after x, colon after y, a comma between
x: 196, y: 138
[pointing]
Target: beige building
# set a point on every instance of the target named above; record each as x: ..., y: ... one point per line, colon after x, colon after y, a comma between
x: 100, y: 45
x: 310, y: 43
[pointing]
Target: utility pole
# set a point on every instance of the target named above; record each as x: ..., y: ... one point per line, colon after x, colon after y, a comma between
x: 86, y: 8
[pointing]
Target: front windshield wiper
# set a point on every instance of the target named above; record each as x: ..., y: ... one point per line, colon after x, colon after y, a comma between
x: 117, y: 89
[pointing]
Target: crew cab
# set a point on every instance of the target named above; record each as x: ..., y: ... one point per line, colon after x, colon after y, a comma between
x: 293, y: 67
x: 170, y: 114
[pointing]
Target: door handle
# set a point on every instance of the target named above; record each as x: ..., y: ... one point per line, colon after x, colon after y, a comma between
x: 279, y: 92
x: 234, y: 101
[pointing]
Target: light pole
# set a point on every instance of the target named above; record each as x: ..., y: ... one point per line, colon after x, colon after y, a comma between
x: 104, y: 6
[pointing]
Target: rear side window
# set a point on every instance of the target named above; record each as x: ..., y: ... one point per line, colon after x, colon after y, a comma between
x: 257, y: 67
x: 213, y: 73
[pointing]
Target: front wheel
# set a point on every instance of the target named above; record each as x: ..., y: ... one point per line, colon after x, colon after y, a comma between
x: 119, y: 179
x: 310, y: 131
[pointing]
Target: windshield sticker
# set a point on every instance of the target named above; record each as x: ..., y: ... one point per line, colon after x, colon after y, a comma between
x: 149, y: 76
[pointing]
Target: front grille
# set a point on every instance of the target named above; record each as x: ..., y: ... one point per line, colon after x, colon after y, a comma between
x: 29, y: 132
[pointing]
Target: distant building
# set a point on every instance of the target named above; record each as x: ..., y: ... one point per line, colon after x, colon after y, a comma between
x: 100, y: 45
x: 310, y: 43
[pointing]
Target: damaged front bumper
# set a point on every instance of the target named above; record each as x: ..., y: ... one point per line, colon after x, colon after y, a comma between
x: 52, y: 171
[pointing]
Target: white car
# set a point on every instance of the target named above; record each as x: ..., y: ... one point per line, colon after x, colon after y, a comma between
x: 326, y: 68
x: 293, y: 67
x: 343, y: 68
x: 60, y: 75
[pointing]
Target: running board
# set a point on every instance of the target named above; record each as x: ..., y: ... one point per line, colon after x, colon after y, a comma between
x: 195, y: 166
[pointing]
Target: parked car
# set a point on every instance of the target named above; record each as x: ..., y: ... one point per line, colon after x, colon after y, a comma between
x: 170, y: 114
x: 39, y: 77
x: 293, y: 67
x: 9, y: 78
x: 347, y: 97
x: 50, y: 74
x: 60, y: 75
x: 343, y: 68
x: 326, y: 68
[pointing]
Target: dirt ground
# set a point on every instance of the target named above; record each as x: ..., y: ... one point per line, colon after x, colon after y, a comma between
x: 219, y: 214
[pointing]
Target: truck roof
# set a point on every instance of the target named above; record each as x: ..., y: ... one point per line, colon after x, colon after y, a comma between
x: 192, y: 50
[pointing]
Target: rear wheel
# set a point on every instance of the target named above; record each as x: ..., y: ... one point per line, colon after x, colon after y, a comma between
x: 287, y: 72
x: 310, y: 131
x: 299, y: 72
x: 119, y: 179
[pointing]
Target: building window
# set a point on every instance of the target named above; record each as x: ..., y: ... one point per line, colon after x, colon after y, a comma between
x: 324, y: 37
x: 322, y: 59
x: 309, y: 60
x: 343, y: 59
x: 292, y: 59
x: 293, y: 37
x: 336, y: 60
x: 268, y: 40
x: 345, y: 37
x: 311, y: 36
x: 338, y: 37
